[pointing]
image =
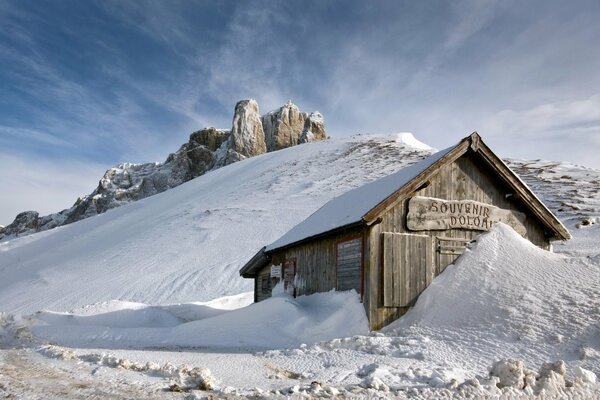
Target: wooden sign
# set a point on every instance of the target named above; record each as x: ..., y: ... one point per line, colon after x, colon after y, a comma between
x: 276, y: 271
x: 428, y: 213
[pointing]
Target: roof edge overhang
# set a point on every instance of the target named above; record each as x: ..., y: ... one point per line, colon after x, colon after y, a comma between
x: 557, y: 230
x: 257, y: 262
x: 474, y: 143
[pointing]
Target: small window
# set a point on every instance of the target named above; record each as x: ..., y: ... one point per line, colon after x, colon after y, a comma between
x: 265, y: 285
x: 349, y: 265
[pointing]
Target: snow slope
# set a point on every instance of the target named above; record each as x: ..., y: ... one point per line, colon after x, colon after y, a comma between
x: 187, y: 244
x: 522, y: 302
x: 481, y: 330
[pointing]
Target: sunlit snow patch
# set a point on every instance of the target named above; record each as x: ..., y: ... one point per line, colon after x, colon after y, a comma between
x: 409, y: 139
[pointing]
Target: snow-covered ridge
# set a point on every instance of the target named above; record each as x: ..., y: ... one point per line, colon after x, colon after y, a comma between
x: 206, y: 150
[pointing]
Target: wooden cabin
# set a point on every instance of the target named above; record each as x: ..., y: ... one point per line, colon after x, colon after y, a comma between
x: 390, y: 238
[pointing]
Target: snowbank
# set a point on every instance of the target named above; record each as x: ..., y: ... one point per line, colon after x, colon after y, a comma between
x: 274, y: 323
x: 506, y: 298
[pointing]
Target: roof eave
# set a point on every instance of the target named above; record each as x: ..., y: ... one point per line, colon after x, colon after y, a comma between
x: 539, y: 209
x: 259, y: 260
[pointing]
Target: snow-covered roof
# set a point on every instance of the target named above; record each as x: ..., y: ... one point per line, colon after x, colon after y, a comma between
x: 360, y: 205
x: 350, y: 207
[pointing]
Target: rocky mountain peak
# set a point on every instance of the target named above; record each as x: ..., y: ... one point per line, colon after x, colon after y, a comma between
x: 284, y: 126
x: 251, y: 134
x: 247, y: 134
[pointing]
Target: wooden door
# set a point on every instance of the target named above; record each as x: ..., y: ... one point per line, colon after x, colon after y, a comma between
x: 349, y: 256
x: 407, y: 267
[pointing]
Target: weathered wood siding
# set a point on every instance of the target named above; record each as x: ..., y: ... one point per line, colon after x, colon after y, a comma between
x: 315, y: 264
x: 464, y: 179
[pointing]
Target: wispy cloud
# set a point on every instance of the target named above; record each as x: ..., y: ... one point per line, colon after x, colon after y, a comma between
x: 33, y: 135
x: 565, y: 130
x: 105, y: 110
x: 547, y: 119
x: 247, y: 63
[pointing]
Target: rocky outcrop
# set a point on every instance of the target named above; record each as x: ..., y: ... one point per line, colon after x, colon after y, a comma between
x: 314, y: 128
x: 24, y: 222
x: 211, y: 138
x: 130, y: 182
x: 247, y: 134
x: 283, y: 127
x: 251, y: 134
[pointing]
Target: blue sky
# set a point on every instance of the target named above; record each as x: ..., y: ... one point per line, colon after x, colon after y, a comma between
x: 85, y: 85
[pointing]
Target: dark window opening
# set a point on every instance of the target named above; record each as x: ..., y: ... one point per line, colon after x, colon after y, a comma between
x: 265, y: 285
x: 349, y: 258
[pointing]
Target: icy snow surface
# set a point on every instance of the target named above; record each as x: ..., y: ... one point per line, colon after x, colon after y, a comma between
x: 142, y: 283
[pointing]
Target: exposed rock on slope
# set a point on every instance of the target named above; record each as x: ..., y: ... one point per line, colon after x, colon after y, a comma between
x: 251, y: 134
x: 247, y: 134
x: 314, y: 128
x: 287, y: 127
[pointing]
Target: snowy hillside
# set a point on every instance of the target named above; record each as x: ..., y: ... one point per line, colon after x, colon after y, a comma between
x: 187, y: 244
x: 207, y: 149
x: 507, y: 321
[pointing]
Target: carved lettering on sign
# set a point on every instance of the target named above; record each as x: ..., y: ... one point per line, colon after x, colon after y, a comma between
x: 428, y: 213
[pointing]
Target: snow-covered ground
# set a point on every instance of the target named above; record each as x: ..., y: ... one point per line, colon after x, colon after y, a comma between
x: 146, y: 299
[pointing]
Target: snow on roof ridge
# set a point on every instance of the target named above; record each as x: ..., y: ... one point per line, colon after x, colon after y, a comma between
x: 350, y: 207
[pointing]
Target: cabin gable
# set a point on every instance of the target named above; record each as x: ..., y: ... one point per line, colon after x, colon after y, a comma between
x: 465, y: 179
